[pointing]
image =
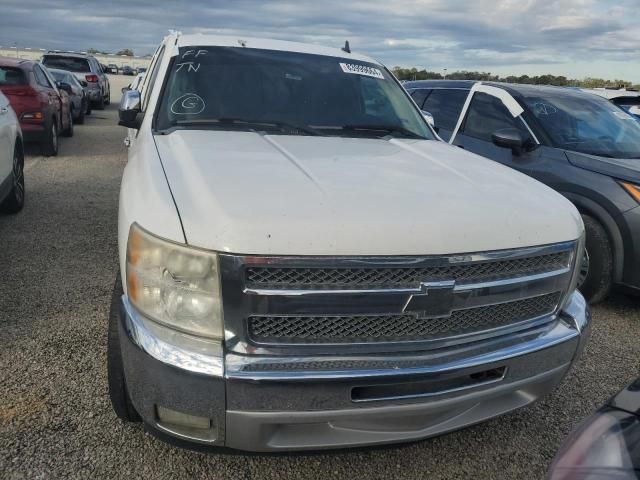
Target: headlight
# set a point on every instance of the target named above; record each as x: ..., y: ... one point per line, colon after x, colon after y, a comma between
x: 576, y: 264
x: 173, y: 284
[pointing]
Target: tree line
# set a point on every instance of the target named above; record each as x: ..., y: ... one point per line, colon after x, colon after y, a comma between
x: 559, y: 80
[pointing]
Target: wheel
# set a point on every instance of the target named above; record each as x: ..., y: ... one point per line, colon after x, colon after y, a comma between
x: 83, y: 111
x: 596, y: 272
x: 118, y: 393
x: 69, y: 131
x: 50, y: 144
x: 100, y: 103
x: 107, y: 100
x: 15, y: 200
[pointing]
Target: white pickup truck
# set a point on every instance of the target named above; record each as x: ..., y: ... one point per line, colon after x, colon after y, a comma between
x: 305, y: 265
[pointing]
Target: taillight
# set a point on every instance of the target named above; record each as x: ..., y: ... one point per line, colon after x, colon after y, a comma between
x: 32, y: 117
x: 91, y: 78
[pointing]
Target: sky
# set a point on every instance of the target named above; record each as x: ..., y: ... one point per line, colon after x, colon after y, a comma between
x: 575, y: 38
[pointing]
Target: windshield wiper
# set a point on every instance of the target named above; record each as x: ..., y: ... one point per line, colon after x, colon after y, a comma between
x: 241, y: 122
x: 388, y: 129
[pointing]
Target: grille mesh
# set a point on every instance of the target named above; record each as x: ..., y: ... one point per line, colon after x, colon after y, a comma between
x: 381, y: 328
x: 394, y: 277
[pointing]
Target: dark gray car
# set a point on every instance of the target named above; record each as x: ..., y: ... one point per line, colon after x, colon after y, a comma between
x: 84, y: 67
x: 77, y: 95
x: 577, y: 143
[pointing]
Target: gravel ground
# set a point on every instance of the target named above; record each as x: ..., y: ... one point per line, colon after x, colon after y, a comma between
x: 59, y: 263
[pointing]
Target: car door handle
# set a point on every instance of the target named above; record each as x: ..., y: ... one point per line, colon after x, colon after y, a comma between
x: 4, y: 110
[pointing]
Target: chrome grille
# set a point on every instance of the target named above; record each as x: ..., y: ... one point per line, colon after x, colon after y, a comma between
x: 402, y: 327
x: 405, y: 277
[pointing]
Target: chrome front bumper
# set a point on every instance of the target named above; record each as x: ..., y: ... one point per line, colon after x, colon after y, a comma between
x: 298, y: 403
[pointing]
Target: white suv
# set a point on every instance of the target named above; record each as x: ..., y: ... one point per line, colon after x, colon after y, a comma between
x: 11, y: 160
x: 304, y: 265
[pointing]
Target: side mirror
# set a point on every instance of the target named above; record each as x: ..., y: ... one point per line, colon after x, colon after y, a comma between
x: 429, y: 118
x: 509, y: 138
x: 130, y: 107
x: 83, y: 83
x: 64, y: 86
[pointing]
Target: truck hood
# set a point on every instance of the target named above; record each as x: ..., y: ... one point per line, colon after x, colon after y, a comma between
x: 622, y: 168
x: 251, y: 193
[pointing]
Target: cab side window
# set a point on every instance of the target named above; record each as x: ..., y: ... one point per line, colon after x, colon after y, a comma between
x: 445, y: 105
x: 486, y: 115
x: 41, y: 78
x: 420, y: 95
x: 150, y: 77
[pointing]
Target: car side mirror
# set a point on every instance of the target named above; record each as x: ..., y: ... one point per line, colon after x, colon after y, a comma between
x: 130, y: 107
x: 64, y: 86
x: 509, y: 138
x: 429, y: 118
x: 83, y: 83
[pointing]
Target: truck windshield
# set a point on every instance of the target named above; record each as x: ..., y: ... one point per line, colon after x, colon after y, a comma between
x: 586, y: 123
x: 285, y: 92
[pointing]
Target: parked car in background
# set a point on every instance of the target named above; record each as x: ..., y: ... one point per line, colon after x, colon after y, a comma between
x: 77, y: 95
x: 141, y: 70
x: 11, y: 156
x: 605, y: 446
x: 127, y: 70
x: 370, y: 285
x: 577, y: 143
x: 43, y: 109
x: 628, y: 100
x: 84, y: 67
x: 112, y: 68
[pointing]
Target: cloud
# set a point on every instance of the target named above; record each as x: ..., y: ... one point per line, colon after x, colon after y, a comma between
x: 455, y: 34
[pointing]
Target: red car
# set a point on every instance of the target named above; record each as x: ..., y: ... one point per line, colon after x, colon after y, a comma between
x: 42, y: 108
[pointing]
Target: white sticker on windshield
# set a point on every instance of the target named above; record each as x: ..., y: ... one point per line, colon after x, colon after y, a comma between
x: 361, y: 70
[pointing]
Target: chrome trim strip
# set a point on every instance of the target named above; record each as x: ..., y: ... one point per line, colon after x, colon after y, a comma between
x: 409, y: 261
x: 408, y: 291
x: 183, y: 351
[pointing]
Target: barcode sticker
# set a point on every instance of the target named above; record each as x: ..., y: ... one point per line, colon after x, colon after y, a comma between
x: 361, y: 70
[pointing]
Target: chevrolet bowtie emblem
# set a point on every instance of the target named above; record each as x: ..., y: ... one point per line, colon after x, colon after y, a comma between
x: 434, y: 300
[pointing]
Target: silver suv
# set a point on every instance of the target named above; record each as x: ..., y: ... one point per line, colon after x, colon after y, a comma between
x: 84, y: 67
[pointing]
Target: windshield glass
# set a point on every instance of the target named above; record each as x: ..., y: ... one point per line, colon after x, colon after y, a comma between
x: 71, y: 64
x: 585, y: 123
x: 285, y: 92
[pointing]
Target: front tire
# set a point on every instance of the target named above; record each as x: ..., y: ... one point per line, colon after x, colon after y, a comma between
x: 50, y: 144
x: 69, y: 131
x: 15, y: 200
x: 597, y: 275
x: 100, y: 103
x: 118, y: 393
x: 83, y: 111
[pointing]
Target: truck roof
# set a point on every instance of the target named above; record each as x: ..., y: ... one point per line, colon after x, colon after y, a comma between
x: 267, y: 44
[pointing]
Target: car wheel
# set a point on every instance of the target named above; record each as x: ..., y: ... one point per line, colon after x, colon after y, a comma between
x: 107, y: 100
x: 15, y: 200
x: 83, y: 111
x: 596, y: 272
x: 100, y: 103
x: 69, y: 131
x: 118, y: 393
x: 50, y: 144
